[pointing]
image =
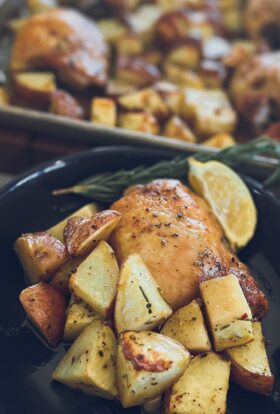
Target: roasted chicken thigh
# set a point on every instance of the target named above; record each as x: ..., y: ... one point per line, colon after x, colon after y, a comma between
x: 66, y: 41
x: 180, y: 241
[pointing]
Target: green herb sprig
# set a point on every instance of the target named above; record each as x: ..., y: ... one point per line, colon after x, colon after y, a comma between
x: 108, y: 187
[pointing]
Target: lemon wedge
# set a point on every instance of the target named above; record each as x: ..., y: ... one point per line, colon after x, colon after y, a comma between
x: 228, y: 197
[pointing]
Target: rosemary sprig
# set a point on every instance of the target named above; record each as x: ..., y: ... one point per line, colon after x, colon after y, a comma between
x: 108, y: 187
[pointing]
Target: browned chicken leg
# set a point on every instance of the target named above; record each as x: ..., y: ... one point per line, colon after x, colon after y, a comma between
x: 180, y: 240
x: 64, y: 40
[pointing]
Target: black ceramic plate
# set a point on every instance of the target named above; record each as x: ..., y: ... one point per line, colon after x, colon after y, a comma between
x: 26, y: 362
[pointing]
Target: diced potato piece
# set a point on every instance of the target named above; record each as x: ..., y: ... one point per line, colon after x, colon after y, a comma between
x: 187, y: 326
x: 45, y: 307
x: 86, y: 211
x: 147, y: 364
x: 117, y: 88
x: 129, y: 44
x: 61, y: 278
x: 177, y: 128
x: 202, y: 388
x: 221, y: 140
x: 210, y: 111
x: 250, y: 365
x: 136, y: 71
x: 78, y: 317
x: 89, y: 365
x: 241, y: 50
x: 186, y: 55
x: 40, y: 6
x: 182, y: 77
x: 104, y: 112
x: 140, y: 122
x: 4, y: 97
x: 213, y: 73
x: 139, y: 304
x: 171, y: 93
x: 95, y: 281
x: 40, y: 255
x: 153, y: 406
x: 64, y: 104
x: 142, y: 21
x: 112, y: 29
x: 82, y: 234
x: 35, y: 86
x: 153, y: 56
x: 228, y: 312
x: 145, y: 100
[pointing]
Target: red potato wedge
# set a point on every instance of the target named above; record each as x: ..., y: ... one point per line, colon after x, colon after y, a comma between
x: 250, y: 366
x: 40, y: 255
x: 35, y: 87
x: 64, y: 104
x: 45, y: 306
x: 61, y: 278
x: 82, y: 234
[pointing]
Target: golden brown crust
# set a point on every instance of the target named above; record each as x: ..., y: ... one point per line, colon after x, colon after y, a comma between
x: 79, y: 229
x: 45, y: 307
x: 65, y: 41
x: 151, y: 361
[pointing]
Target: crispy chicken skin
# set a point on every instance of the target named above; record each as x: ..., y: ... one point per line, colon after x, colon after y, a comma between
x: 64, y: 40
x: 180, y: 241
x: 255, y: 88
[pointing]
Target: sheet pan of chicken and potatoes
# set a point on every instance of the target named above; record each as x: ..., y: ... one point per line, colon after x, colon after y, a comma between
x: 149, y: 296
x: 191, y: 70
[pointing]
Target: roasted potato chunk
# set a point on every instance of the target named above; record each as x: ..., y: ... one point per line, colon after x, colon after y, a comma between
x: 86, y: 211
x: 45, y: 306
x: 250, y: 366
x: 228, y: 312
x: 220, y: 141
x: 202, y: 388
x: 136, y: 71
x: 4, y: 97
x: 182, y: 77
x: 40, y: 255
x: 212, y: 73
x: 139, y: 304
x: 177, y: 128
x: 35, y: 87
x: 89, y: 365
x: 171, y: 93
x: 64, y: 104
x: 61, y: 278
x: 209, y: 110
x: 129, y: 45
x: 82, y: 234
x: 145, y: 100
x: 112, y: 29
x: 187, y: 55
x: 78, y: 317
x: 95, y: 281
x: 187, y: 326
x: 116, y: 88
x: 147, y: 364
x: 140, y: 121
x: 143, y: 20
x: 104, y: 112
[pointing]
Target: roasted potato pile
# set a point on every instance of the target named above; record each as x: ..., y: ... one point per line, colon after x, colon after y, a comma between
x: 171, y: 68
x: 126, y: 341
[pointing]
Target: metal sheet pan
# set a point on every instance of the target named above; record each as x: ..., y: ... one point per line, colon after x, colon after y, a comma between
x: 85, y: 131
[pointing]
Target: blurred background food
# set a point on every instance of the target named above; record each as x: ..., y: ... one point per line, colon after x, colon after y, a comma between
x: 198, y: 71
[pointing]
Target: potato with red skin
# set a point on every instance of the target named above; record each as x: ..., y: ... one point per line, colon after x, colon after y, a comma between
x: 64, y: 104
x: 81, y: 234
x: 35, y: 87
x: 45, y: 306
x: 41, y: 255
